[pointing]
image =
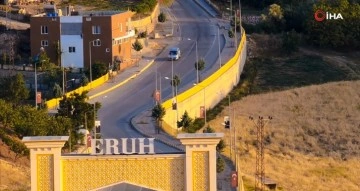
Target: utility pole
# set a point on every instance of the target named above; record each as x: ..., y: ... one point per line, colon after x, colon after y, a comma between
x: 260, y: 167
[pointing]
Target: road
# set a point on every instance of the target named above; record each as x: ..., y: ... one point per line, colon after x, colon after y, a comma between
x: 120, y: 105
x: 12, y: 24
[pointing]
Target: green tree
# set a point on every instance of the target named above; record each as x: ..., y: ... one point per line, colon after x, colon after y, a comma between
x: 57, y: 91
x: 137, y: 46
x: 199, y: 66
x: 276, y: 12
x: 208, y: 129
x: 158, y: 112
x: 25, y: 120
x: 75, y: 107
x: 175, y: 82
x: 14, y: 89
x: 7, y: 114
x: 185, y: 122
x: 231, y: 34
x: 84, y: 80
x: 220, y: 146
x: 57, y: 52
x: 79, y: 112
x: 290, y: 42
x: 99, y: 69
x: 44, y: 62
x: 220, y: 165
x: 340, y: 33
x: 52, y: 76
x: 162, y: 17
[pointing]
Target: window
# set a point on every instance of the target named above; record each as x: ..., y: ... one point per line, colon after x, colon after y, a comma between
x: 44, y: 43
x: 96, y: 30
x: 71, y: 49
x: 44, y: 30
x: 96, y: 43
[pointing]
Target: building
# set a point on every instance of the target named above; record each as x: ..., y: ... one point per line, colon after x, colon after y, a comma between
x: 73, y: 38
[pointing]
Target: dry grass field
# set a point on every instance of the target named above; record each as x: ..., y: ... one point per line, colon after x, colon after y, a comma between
x: 14, y: 175
x: 312, y: 142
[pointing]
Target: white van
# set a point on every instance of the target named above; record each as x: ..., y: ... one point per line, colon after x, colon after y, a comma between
x: 174, y: 53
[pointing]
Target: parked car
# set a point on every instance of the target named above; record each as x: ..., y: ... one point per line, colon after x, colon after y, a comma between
x: 174, y: 53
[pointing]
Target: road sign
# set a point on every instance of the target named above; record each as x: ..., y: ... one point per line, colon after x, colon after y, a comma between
x: 234, y: 179
x: 88, y: 140
x: 157, y: 95
x: 202, y: 112
x: 38, y: 97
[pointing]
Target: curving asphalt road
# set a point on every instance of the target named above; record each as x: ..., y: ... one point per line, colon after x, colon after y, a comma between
x: 119, y: 106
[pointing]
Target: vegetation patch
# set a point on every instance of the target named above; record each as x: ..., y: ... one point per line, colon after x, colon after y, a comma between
x: 280, y: 74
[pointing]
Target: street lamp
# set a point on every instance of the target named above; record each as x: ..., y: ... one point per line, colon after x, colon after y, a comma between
x: 219, y: 47
x: 156, y: 84
x: 36, y: 95
x: 197, y: 61
x: 204, y: 102
x: 96, y: 40
x: 72, y: 80
x: 235, y: 24
x: 35, y: 88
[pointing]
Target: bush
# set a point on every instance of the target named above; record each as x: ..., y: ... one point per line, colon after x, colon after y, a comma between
x: 208, y: 129
x: 220, y: 165
x: 16, y: 146
x: 290, y: 42
x: 162, y: 17
x: 142, y: 34
x: 220, y: 146
x: 231, y: 34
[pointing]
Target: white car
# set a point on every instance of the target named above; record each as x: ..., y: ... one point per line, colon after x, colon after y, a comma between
x: 174, y: 53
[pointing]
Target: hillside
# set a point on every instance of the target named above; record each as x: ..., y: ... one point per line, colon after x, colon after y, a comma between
x: 14, y: 175
x: 312, y: 142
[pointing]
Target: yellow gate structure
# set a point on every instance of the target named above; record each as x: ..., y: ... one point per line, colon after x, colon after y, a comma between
x: 194, y: 170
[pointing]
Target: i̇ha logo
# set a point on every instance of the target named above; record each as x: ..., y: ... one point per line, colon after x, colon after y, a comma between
x: 321, y: 15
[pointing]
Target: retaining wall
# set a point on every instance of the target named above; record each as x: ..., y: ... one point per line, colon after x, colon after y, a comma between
x: 210, y: 91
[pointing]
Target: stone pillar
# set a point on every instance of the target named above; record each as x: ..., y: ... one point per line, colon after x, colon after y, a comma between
x: 45, y: 161
x: 200, y: 160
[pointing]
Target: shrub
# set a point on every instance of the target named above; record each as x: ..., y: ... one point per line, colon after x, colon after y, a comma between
x: 231, y: 34
x: 162, y: 17
x: 142, y: 34
x: 220, y: 165
x: 290, y: 42
x: 208, y: 129
x: 220, y: 146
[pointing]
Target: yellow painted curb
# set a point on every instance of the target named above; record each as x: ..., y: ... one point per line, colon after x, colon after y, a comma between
x: 123, y: 82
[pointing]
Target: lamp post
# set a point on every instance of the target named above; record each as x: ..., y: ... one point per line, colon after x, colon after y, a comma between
x: 72, y: 80
x: 219, y: 48
x: 63, y: 71
x: 204, y: 102
x: 35, y: 88
x: 240, y: 18
x: 36, y: 95
x: 174, y: 97
x: 156, y: 84
x: 235, y: 25
x: 96, y: 40
x: 197, y: 60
